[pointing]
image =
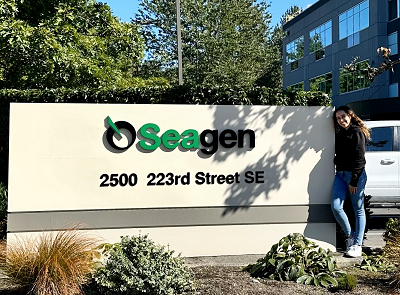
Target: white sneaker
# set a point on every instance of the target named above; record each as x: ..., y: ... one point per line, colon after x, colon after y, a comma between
x: 349, y: 243
x: 354, y: 251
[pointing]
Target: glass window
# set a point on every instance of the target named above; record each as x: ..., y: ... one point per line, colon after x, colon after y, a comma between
x: 342, y: 29
x: 319, y: 54
x: 394, y: 90
x: 321, y: 37
x: 394, y: 9
x: 354, y: 20
x: 294, y: 51
x: 350, y: 81
x: 392, y: 42
x: 381, y: 139
x: 322, y: 83
x: 296, y: 87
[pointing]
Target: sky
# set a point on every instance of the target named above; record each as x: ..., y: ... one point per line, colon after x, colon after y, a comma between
x: 126, y: 9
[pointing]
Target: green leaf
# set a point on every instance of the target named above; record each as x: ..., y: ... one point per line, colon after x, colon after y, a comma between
x: 302, y: 279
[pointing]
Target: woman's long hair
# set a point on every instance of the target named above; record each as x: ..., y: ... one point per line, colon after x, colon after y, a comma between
x: 354, y: 119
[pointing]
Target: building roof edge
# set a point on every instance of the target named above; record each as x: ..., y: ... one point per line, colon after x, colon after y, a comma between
x: 305, y: 13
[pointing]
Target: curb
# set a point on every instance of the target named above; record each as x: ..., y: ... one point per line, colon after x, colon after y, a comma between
x: 244, y: 260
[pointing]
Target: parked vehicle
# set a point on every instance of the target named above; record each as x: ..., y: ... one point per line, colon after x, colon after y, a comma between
x: 383, y: 163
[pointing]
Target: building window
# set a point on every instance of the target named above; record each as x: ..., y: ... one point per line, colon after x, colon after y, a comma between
x: 320, y: 37
x: 322, y: 83
x: 294, y: 51
x: 296, y: 87
x: 350, y: 81
x: 394, y: 9
x: 352, y: 21
x: 392, y: 42
x: 394, y: 90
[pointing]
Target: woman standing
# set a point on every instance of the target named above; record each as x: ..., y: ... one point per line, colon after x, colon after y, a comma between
x: 350, y: 178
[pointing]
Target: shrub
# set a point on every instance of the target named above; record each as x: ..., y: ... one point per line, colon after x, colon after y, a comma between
x: 137, y: 265
x: 392, y: 228
x: 376, y: 262
x: 54, y: 263
x: 346, y: 282
x: 295, y: 258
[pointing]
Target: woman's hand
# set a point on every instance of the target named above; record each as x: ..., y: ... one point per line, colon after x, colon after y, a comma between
x: 352, y: 189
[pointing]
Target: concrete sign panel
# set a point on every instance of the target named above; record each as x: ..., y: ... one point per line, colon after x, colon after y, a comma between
x: 185, y: 174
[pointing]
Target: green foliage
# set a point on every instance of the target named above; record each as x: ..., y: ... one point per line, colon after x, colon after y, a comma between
x: 223, y: 42
x: 161, y: 93
x: 3, y: 201
x: 392, y: 228
x: 376, y: 262
x: 346, y: 282
x: 295, y: 258
x: 3, y: 209
x: 51, y: 44
x: 137, y: 265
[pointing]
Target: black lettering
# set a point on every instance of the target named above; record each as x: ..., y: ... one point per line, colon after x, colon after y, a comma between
x: 123, y: 179
x: 228, y: 135
x: 252, y: 138
x: 221, y: 179
x: 161, y: 181
x: 185, y: 180
x: 152, y: 177
x: 213, y: 144
x: 249, y: 177
x: 230, y: 179
x: 259, y: 176
x: 103, y: 184
x: 237, y: 175
x: 170, y: 179
x: 200, y: 178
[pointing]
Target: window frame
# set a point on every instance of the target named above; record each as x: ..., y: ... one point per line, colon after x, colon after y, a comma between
x: 325, y: 80
x: 354, y: 82
x: 397, y: 12
x: 396, y: 43
x: 317, y: 31
x: 350, y: 14
x: 394, y: 145
x: 293, y: 47
x: 397, y: 88
x: 295, y: 86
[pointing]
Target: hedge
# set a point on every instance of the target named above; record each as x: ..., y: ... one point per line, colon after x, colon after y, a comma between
x: 204, y: 95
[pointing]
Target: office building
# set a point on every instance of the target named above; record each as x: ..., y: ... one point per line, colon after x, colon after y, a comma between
x: 328, y: 35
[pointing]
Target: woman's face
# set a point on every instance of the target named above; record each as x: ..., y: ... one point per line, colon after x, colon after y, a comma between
x: 343, y: 119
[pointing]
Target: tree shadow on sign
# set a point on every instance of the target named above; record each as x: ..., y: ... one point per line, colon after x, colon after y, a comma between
x: 299, y: 133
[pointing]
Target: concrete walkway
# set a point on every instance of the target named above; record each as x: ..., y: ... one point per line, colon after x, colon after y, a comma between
x: 373, y: 243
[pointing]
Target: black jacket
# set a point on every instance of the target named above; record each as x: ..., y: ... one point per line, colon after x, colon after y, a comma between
x: 350, y: 151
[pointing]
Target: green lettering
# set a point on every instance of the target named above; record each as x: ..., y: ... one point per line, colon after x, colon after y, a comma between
x: 148, y: 145
x: 174, y: 139
x: 192, y: 141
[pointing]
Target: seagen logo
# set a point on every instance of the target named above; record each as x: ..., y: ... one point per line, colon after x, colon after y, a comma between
x: 189, y: 139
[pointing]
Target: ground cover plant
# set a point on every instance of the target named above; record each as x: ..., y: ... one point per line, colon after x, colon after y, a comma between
x: 137, y: 265
x: 295, y: 258
x: 53, y: 263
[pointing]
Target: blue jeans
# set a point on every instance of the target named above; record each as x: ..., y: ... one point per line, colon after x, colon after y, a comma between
x: 340, y: 192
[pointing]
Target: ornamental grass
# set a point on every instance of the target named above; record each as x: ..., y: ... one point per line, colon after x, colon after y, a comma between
x: 56, y: 263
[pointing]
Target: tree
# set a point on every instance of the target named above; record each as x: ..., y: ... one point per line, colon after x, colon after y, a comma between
x: 66, y: 43
x: 223, y: 42
x: 370, y: 72
x: 272, y: 76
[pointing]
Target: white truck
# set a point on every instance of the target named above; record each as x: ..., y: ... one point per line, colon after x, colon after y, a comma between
x: 383, y: 163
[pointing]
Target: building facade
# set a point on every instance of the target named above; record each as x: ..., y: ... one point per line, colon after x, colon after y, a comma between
x: 328, y: 35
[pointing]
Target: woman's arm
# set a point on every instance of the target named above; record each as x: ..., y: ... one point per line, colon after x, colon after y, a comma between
x: 359, y: 156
